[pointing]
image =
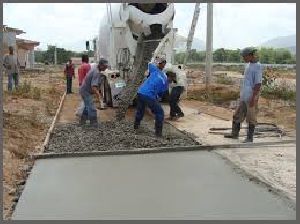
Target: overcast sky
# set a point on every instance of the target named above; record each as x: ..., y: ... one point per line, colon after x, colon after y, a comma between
x: 236, y: 25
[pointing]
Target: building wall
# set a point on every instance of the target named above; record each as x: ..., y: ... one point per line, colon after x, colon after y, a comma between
x: 9, y: 39
x: 22, y: 56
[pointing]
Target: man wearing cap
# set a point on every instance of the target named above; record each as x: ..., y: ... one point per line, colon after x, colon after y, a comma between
x: 250, y: 89
x: 89, y: 87
x: 149, y: 94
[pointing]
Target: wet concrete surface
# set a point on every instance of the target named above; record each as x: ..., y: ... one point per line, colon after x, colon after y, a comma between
x: 181, y: 185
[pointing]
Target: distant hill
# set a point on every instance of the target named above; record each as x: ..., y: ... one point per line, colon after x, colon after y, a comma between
x: 282, y: 42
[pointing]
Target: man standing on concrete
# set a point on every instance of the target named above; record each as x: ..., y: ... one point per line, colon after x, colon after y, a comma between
x: 149, y: 93
x: 177, y: 89
x: 11, y: 64
x: 70, y: 74
x: 89, y: 87
x: 250, y: 89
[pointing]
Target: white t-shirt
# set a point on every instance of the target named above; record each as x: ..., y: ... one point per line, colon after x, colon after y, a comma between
x: 181, y: 78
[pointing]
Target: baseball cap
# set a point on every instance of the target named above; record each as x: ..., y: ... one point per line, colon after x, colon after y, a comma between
x: 103, y: 61
x: 247, y: 51
x: 160, y: 59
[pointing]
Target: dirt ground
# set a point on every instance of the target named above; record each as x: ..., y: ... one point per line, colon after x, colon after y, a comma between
x: 27, y: 117
x: 269, y: 110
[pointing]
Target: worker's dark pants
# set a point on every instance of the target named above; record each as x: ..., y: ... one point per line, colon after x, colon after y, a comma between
x: 105, y: 88
x: 244, y: 111
x: 174, y: 100
x: 155, y: 107
x: 69, y: 84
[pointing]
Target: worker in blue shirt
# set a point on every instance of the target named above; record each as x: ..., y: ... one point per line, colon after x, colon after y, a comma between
x: 149, y: 94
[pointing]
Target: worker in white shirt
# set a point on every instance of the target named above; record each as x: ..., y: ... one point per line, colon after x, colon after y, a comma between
x: 178, y: 87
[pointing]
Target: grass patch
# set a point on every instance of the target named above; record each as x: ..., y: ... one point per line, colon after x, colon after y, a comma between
x: 278, y: 92
x: 270, y: 90
x: 217, y: 94
x: 49, y: 107
x: 25, y: 90
x: 36, y: 93
x: 222, y: 79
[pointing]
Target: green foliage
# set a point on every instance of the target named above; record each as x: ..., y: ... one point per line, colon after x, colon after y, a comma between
x: 278, y: 92
x: 221, y: 55
x: 63, y: 55
x: 272, y: 91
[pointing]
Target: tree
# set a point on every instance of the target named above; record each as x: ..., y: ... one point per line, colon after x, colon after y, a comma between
x: 39, y: 56
x: 220, y: 55
x: 265, y: 55
x: 282, y: 56
x: 234, y: 56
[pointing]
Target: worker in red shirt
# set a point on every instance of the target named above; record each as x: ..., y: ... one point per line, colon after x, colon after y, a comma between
x: 83, y: 69
x: 70, y: 74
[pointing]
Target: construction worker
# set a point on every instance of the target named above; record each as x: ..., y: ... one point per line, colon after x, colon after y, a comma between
x: 70, y: 74
x: 89, y: 87
x: 11, y: 64
x: 178, y: 87
x: 149, y: 94
x: 84, y: 68
x: 250, y: 89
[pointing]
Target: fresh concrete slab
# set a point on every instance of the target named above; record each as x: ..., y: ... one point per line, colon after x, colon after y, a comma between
x: 181, y: 185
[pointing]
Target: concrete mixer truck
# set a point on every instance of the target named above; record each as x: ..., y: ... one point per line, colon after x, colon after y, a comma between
x: 130, y: 36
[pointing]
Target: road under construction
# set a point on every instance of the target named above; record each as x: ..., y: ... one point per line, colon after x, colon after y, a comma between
x: 114, y: 172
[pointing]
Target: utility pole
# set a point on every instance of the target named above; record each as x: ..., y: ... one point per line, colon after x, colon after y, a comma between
x: 113, y: 56
x: 209, y: 44
x: 191, y: 33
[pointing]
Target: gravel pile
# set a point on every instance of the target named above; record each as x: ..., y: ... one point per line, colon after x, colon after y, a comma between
x: 113, y: 136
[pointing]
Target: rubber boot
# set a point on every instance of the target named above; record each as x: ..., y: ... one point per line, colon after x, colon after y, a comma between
x: 250, y: 133
x: 158, y: 130
x: 235, y: 131
x: 94, y: 123
x: 83, y: 120
x: 181, y: 114
x: 136, y: 125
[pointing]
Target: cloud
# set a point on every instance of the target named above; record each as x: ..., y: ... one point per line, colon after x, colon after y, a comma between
x: 240, y: 24
x: 59, y: 24
x: 235, y: 24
